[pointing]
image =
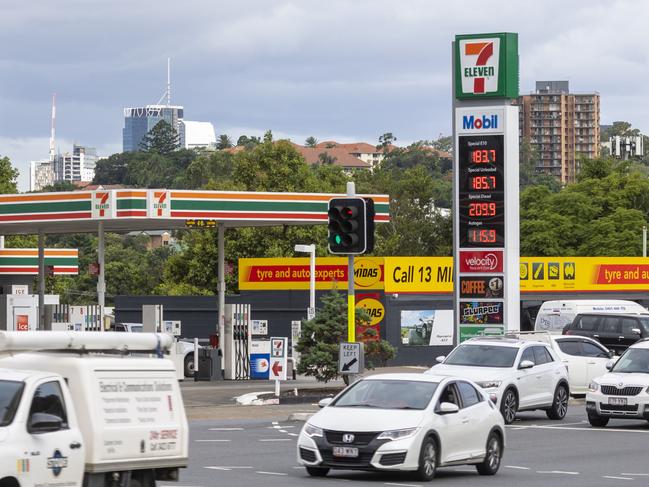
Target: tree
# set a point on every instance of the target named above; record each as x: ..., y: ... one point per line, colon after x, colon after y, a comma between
x: 311, y: 142
x: 443, y: 143
x: 224, y: 142
x: 8, y: 176
x: 248, y: 142
x: 59, y: 186
x: 161, y: 139
x: 385, y: 141
x: 325, y: 158
x: 528, y: 174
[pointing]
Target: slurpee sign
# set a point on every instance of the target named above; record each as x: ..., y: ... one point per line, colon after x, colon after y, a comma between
x: 486, y: 66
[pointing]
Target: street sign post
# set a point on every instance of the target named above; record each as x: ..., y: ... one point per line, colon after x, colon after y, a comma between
x: 350, y: 358
x: 277, y: 364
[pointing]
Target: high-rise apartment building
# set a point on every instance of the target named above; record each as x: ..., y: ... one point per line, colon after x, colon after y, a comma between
x: 139, y: 121
x: 76, y: 166
x: 41, y: 174
x: 561, y: 127
x: 196, y: 135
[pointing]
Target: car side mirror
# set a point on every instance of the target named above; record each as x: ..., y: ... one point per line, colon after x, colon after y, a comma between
x: 610, y: 364
x: 325, y: 402
x: 611, y: 354
x: 439, y: 359
x: 526, y: 364
x: 447, y: 408
x: 636, y: 331
x: 44, y: 423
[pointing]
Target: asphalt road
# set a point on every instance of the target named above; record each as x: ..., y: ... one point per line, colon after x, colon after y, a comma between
x: 539, y: 452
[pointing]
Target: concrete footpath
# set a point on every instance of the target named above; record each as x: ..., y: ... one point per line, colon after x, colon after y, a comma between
x: 217, y: 400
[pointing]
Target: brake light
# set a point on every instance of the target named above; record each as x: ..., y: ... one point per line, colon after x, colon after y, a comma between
x: 568, y: 332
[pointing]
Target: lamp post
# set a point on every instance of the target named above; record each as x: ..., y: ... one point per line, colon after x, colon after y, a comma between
x: 310, y: 249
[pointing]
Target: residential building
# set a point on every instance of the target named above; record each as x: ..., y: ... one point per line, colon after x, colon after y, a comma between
x: 365, y: 152
x: 139, y: 121
x: 338, y: 156
x: 561, y: 127
x: 625, y: 147
x: 41, y: 174
x: 196, y: 135
x: 76, y: 166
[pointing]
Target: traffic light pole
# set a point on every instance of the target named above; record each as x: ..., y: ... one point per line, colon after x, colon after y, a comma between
x: 351, y: 301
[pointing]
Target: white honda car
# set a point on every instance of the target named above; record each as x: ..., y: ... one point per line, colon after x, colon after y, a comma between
x: 407, y: 422
x: 624, y: 391
x: 518, y: 375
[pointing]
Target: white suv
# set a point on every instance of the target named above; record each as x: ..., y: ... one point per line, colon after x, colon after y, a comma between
x: 624, y: 391
x: 518, y: 375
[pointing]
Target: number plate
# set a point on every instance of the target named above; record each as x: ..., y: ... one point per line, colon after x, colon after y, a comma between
x: 345, y: 451
x: 617, y: 401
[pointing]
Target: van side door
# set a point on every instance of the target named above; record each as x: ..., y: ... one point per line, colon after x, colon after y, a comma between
x: 56, y: 450
x: 631, y: 332
x: 608, y: 332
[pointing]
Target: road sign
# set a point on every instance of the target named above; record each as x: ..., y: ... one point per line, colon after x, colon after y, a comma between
x: 350, y: 358
x: 278, y: 346
x: 310, y: 313
x: 277, y: 368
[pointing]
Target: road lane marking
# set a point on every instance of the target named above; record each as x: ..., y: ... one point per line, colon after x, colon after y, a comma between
x: 225, y: 429
x: 559, y: 472
x: 634, y: 474
x: 559, y: 428
x: 616, y: 478
x: 212, y: 441
x: 293, y: 434
x: 224, y: 468
x: 516, y: 467
x: 270, y: 473
x: 401, y: 485
x: 275, y: 439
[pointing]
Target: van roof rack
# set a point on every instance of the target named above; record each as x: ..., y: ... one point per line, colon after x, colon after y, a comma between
x: 84, y: 341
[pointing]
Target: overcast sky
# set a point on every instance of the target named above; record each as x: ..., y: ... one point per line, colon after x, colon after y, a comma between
x: 348, y: 70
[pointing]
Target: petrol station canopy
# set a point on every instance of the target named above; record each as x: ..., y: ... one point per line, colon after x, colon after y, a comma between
x: 126, y: 210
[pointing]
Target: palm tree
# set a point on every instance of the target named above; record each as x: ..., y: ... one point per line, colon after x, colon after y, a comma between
x: 310, y: 142
x: 224, y: 142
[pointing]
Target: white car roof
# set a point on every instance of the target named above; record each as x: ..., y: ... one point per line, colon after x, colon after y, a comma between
x: 20, y: 375
x: 407, y: 376
x: 504, y: 341
x: 641, y: 344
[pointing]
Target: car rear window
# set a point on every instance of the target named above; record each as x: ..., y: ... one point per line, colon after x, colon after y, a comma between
x: 587, y: 323
x: 10, y: 394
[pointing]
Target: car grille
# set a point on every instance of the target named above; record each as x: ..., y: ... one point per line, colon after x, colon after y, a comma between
x: 307, y: 455
x: 362, y: 460
x: 336, y: 437
x: 393, y: 458
x: 625, y: 391
x: 628, y: 408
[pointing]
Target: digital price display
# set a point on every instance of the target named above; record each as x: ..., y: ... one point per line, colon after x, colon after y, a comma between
x: 481, y: 191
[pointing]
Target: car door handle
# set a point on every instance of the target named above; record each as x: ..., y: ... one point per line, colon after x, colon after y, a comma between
x: 595, y: 336
x: 592, y: 363
x: 75, y: 445
x: 621, y: 338
x: 465, y: 420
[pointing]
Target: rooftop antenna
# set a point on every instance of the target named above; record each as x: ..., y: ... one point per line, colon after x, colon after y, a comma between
x: 167, y: 93
x: 53, y: 129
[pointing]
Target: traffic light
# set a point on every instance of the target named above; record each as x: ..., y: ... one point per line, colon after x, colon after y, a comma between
x: 351, y: 225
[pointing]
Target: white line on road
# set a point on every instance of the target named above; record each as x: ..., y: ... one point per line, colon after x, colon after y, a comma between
x: 282, y: 431
x: 616, y: 478
x: 601, y: 430
x: 212, y: 441
x: 270, y: 473
x: 519, y: 468
x: 401, y: 485
x: 225, y: 429
x: 560, y: 472
x: 224, y: 468
x: 634, y: 474
x: 293, y: 434
x: 275, y: 439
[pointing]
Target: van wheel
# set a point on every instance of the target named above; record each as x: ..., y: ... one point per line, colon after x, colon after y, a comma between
x: 189, y: 365
x: 317, y: 471
x: 493, y: 455
x: 427, y: 460
x: 509, y: 406
x: 559, y: 406
x: 597, y: 421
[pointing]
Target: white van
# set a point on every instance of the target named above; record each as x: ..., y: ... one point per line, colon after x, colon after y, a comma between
x: 554, y: 315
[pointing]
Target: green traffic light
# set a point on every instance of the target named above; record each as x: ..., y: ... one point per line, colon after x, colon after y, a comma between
x: 338, y: 239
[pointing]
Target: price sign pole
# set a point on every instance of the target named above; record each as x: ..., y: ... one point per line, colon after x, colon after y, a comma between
x: 485, y: 196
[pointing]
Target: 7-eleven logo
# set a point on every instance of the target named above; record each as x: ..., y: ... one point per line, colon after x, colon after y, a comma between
x: 160, y: 202
x: 479, y: 65
x: 103, y: 204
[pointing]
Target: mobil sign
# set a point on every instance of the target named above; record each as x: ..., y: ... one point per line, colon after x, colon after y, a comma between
x: 479, y: 120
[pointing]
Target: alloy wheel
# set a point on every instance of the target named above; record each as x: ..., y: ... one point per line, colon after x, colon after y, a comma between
x: 493, y: 453
x: 429, y: 459
x: 509, y: 405
x: 562, y: 401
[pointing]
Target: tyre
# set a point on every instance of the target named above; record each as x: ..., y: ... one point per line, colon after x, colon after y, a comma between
x: 509, y: 406
x: 597, y: 421
x: 493, y: 455
x: 559, y: 406
x: 317, y: 471
x: 189, y: 365
x: 427, y: 460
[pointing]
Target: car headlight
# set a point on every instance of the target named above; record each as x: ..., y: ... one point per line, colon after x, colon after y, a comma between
x: 397, y: 434
x: 312, y: 431
x: 490, y: 384
x: 593, y: 386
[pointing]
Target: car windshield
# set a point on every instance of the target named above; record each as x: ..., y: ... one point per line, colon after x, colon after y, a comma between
x: 10, y: 393
x: 137, y: 328
x: 633, y: 360
x: 387, y: 394
x: 482, y: 356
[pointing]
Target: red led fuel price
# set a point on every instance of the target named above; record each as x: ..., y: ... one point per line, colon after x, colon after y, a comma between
x: 482, y: 209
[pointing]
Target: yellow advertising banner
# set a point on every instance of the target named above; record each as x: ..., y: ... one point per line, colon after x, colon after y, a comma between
x: 429, y: 275
x: 294, y: 273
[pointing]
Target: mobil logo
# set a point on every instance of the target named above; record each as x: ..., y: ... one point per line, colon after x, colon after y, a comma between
x: 480, y: 122
x: 481, y: 261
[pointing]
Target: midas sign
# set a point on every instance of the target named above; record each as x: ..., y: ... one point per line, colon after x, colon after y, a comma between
x: 374, y: 309
x: 294, y: 273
